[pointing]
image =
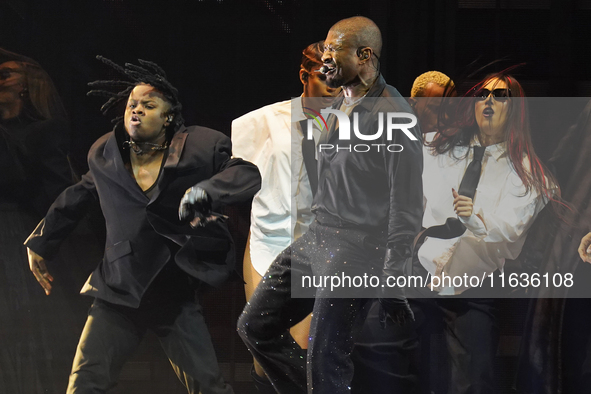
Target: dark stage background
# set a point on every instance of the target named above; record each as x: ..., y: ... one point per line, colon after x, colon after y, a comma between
x: 230, y: 57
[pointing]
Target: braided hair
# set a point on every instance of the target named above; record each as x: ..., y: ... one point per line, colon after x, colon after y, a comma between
x: 146, y: 73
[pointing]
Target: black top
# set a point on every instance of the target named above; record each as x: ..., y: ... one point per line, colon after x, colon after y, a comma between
x: 380, y: 191
x: 34, y: 162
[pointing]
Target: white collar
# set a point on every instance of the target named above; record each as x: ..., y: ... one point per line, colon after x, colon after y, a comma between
x: 496, y: 150
x: 297, y: 112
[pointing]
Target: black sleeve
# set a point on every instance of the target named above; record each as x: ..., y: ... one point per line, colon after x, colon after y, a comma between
x: 62, y: 217
x: 235, y: 180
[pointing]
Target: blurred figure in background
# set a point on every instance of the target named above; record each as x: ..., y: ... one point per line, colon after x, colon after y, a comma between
x: 34, y: 141
x: 555, y: 349
x: 35, y: 137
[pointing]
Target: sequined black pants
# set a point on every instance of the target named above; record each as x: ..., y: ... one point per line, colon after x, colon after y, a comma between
x: 264, y: 324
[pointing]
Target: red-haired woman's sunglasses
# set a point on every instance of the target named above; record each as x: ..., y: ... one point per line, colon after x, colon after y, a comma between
x: 499, y: 94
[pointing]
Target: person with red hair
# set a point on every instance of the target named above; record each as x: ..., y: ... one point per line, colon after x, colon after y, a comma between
x: 483, y: 188
x: 483, y: 179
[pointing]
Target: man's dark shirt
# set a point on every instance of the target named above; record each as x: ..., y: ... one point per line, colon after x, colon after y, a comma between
x: 381, y: 191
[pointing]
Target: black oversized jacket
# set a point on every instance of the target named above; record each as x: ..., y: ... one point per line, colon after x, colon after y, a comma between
x: 138, y: 227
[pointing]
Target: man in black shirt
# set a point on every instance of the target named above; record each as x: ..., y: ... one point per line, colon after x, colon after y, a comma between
x: 368, y: 208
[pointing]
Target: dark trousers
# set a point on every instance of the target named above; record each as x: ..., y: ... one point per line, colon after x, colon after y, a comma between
x: 576, y: 335
x: 113, y: 332
x: 391, y: 359
x: 266, y: 319
x: 408, y: 359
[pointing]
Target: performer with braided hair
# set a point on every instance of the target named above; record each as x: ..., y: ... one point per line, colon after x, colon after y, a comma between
x: 153, y: 257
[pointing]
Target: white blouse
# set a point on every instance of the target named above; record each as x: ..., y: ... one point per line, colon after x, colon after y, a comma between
x: 506, y: 210
x: 271, y: 137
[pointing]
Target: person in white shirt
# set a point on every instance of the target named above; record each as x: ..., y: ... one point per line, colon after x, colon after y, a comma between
x: 271, y: 137
x: 512, y: 189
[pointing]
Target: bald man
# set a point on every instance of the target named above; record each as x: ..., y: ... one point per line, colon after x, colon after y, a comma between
x: 368, y: 208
